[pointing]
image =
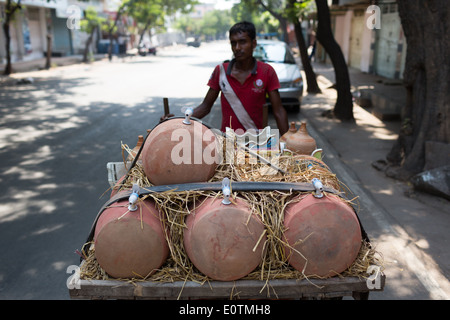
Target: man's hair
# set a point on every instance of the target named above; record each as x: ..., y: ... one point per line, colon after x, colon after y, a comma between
x: 244, y: 26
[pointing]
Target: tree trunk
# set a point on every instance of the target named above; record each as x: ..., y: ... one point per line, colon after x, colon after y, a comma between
x: 283, y: 26
x: 8, y: 67
x: 88, y: 44
x: 312, y: 86
x: 10, y: 9
x: 147, y: 25
x: 427, y: 81
x: 311, y: 80
x: 343, y: 109
x: 118, y: 15
x: 48, y: 61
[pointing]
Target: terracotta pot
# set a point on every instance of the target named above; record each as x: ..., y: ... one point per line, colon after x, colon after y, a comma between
x: 301, y: 142
x: 131, y: 244
x: 311, y: 161
x: 136, y: 149
x: 325, y: 231
x: 116, y: 187
x: 291, y: 131
x: 178, y: 153
x: 219, y: 239
x: 324, y: 173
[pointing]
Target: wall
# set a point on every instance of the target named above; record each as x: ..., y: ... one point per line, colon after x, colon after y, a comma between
x: 389, y: 43
x: 379, y: 51
x: 343, y: 24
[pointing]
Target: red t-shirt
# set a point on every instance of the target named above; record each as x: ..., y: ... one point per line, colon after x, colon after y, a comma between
x: 252, y: 93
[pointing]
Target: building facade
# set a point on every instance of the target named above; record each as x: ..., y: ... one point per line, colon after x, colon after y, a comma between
x: 370, y: 36
x: 31, y: 24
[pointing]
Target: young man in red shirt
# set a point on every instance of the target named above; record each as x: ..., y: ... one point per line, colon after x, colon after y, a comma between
x: 250, y: 80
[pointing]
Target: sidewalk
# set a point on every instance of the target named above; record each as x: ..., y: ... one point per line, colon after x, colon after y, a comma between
x: 39, y: 64
x: 408, y: 227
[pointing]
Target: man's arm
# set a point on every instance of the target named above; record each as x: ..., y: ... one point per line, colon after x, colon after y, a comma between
x: 279, y: 112
x: 205, y: 107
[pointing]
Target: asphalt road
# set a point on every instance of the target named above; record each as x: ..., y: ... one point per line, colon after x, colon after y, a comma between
x: 56, y: 136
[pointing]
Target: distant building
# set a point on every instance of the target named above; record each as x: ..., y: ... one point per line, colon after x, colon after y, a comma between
x: 28, y: 28
x: 371, y: 37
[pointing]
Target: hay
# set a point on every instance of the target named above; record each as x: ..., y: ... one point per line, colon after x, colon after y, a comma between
x: 268, y: 206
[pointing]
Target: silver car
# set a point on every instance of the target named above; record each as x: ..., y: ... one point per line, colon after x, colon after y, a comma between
x: 280, y: 57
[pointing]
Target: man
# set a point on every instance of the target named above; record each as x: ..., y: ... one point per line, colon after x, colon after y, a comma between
x: 244, y: 83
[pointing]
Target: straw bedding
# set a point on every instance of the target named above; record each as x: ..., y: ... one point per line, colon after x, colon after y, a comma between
x: 269, y: 206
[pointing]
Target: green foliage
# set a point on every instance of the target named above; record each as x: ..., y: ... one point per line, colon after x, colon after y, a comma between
x: 151, y: 13
x: 188, y: 25
x: 298, y: 9
x: 91, y: 20
x: 215, y: 22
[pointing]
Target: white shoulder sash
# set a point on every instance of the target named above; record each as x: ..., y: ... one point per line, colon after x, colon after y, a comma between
x: 234, y: 101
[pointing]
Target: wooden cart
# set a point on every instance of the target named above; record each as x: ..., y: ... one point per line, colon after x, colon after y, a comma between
x: 330, y: 288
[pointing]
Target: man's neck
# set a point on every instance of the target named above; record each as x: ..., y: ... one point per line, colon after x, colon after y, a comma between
x: 246, y: 65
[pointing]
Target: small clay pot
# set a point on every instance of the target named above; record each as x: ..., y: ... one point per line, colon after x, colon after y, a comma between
x: 301, y: 142
x: 290, y: 132
x: 136, y: 149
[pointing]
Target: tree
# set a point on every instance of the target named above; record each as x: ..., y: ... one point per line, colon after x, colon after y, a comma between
x: 246, y: 10
x: 90, y: 24
x: 426, y: 26
x: 149, y: 13
x: 49, y: 36
x: 214, y: 23
x: 112, y: 26
x: 290, y: 12
x: 296, y: 10
x: 278, y: 13
x: 343, y: 109
x: 10, y: 8
x: 189, y: 26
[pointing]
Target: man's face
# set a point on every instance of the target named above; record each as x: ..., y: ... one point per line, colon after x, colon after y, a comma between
x: 242, y: 46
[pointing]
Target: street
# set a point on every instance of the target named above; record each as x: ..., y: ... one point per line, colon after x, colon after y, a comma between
x: 56, y: 137
x: 58, y: 133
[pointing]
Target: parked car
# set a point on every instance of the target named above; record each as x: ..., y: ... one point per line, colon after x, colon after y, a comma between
x: 193, y: 42
x: 280, y: 57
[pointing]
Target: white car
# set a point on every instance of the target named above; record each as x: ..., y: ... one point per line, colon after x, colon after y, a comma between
x: 280, y: 57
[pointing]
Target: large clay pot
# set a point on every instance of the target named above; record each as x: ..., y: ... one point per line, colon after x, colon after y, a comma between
x: 324, y: 173
x: 219, y: 239
x: 301, y: 142
x: 133, y: 244
x: 175, y: 152
x: 116, y: 187
x: 324, y: 231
